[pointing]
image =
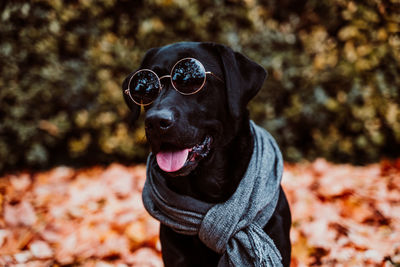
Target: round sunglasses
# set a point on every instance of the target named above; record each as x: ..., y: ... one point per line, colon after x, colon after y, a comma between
x: 187, y: 76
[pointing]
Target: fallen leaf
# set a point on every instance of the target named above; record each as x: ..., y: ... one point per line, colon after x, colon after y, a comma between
x: 146, y: 257
x: 41, y: 249
x: 20, y: 214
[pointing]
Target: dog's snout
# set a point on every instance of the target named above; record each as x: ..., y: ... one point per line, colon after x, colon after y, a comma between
x: 160, y: 120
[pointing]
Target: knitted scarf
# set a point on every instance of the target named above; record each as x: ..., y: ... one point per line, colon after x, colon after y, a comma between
x: 232, y: 228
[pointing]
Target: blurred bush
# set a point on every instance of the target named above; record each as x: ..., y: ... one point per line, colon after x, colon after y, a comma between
x: 333, y: 89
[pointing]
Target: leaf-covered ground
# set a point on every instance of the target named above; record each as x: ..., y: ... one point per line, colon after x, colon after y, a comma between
x: 342, y: 216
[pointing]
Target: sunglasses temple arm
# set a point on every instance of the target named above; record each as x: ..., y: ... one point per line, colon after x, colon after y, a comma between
x: 209, y: 72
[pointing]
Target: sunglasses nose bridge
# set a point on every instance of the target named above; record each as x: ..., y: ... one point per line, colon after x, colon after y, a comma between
x: 165, y: 77
x: 164, y: 80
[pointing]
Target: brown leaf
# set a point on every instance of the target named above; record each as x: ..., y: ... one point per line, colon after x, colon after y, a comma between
x: 145, y: 257
x: 40, y: 249
x: 21, y: 182
x: 119, y: 180
x: 21, y: 214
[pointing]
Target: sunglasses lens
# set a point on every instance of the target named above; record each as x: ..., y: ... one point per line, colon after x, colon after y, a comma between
x: 144, y: 87
x: 188, y: 76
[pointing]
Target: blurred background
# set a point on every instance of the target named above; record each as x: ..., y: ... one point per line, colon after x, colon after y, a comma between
x: 333, y: 89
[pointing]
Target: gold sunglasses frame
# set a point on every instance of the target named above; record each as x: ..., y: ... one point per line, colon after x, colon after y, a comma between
x: 127, y: 91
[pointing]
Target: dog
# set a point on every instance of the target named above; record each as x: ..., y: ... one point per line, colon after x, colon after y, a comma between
x: 209, y: 131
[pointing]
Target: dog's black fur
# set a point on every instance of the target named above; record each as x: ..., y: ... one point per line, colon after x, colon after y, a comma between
x: 219, y: 110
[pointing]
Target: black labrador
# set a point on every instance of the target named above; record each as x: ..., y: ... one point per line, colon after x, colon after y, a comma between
x: 209, y: 129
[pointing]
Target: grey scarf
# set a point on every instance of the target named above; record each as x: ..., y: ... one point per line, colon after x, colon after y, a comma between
x: 233, y: 228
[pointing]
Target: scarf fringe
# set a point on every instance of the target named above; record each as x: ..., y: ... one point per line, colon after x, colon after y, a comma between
x: 265, y: 252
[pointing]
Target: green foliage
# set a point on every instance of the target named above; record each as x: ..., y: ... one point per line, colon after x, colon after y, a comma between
x: 332, y: 89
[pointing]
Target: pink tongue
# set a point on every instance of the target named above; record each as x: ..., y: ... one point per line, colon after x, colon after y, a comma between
x: 172, y: 161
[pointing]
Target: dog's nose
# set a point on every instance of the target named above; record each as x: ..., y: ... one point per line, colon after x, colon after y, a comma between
x: 159, y: 119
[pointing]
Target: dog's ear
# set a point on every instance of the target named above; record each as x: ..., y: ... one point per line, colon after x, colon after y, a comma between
x: 243, y: 78
x: 135, y: 109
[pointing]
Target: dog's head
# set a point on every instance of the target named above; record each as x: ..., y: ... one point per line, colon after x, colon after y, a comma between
x: 183, y: 130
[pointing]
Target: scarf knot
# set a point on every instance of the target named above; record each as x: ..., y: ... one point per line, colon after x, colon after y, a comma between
x: 232, y: 228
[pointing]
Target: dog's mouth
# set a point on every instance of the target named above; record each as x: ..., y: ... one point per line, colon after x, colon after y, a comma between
x: 180, y: 162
